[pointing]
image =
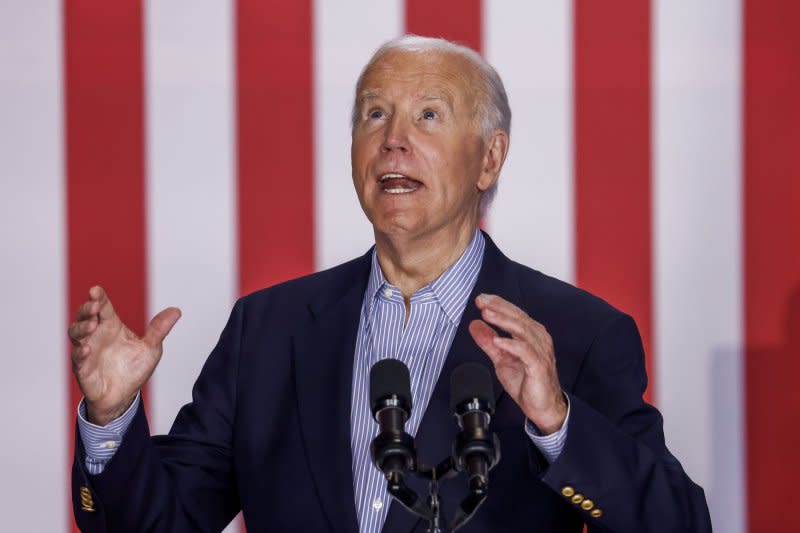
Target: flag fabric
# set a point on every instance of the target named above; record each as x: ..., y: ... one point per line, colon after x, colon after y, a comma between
x: 187, y: 152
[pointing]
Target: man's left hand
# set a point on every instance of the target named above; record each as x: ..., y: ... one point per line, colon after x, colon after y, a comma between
x: 525, y: 363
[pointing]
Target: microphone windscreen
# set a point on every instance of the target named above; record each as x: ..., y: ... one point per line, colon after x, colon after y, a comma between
x: 470, y: 381
x: 389, y: 377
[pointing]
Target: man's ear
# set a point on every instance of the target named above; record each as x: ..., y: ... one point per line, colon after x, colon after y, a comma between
x: 496, y: 151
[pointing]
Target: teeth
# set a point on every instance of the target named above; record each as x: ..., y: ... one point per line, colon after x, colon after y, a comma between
x: 397, y: 188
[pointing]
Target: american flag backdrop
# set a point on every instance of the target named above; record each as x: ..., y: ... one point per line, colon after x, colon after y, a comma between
x: 184, y: 152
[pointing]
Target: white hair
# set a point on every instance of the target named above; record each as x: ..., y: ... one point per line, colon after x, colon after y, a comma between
x: 495, y: 113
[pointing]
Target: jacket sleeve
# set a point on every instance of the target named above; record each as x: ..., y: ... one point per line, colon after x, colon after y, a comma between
x: 615, y: 468
x: 180, y: 482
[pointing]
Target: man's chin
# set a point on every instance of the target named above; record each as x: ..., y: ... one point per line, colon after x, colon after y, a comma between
x: 398, y: 224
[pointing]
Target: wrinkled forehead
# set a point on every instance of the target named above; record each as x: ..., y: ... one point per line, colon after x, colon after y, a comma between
x: 431, y: 72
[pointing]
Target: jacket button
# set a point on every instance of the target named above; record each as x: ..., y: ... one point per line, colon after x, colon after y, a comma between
x: 587, y: 504
x: 87, y: 504
x: 596, y: 513
x: 567, y: 491
x: 577, y: 498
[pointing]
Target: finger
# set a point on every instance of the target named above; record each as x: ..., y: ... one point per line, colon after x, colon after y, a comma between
x: 507, y: 316
x: 502, y: 306
x: 498, y: 302
x: 81, y: 360
x: 483, y: 335
x: 96, y: 292
x: 518, y: 349
x: 72, y: 333
x: 518, y: 327
x: 87, y: 309
x: 80, y: 353
x: 105, y: 309
x: 161, y: 325
x: 79, y: 330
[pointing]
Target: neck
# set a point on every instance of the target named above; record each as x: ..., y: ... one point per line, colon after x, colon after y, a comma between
x: 410, y: 263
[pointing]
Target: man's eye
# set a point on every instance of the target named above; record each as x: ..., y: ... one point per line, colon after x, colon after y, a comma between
x: 375, y: 113
x: 428, y: 114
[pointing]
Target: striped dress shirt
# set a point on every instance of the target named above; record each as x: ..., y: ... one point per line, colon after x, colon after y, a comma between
x: 421, y: 344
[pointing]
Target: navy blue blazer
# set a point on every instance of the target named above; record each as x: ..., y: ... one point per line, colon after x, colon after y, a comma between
x: 267, y: 430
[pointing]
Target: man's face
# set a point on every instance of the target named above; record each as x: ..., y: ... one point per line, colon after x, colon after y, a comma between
x: 418, y: 158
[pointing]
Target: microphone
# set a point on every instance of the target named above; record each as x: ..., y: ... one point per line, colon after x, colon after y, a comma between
x: 392, y: 451
x: 476, y: 450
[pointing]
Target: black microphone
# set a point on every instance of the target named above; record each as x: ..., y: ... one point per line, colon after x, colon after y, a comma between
x: 393, y: 451
x: 476, y: 450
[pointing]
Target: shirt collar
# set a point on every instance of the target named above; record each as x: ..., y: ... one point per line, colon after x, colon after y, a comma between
x: 450, y: 290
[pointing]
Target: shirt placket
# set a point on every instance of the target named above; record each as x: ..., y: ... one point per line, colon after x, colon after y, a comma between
x: 377, y: 500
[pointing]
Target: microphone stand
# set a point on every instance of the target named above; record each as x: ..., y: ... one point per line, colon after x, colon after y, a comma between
x: 431, y: 510
x: 444, y: 470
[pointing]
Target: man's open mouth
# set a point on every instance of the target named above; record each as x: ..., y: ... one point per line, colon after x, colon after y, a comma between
x: 395, y: 183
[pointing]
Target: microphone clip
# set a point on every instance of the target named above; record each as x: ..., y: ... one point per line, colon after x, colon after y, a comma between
x: 476, y: 415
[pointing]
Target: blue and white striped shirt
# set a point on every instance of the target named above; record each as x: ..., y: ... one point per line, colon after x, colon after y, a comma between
x: 422, y: 344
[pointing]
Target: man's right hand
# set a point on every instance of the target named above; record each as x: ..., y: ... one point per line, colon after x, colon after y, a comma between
x: 110, y: 362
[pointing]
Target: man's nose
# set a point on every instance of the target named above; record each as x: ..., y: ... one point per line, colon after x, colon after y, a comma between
x: 396, y: 138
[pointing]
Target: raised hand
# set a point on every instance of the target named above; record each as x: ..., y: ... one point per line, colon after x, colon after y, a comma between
x: 525, y: 364
x: 110, y: 362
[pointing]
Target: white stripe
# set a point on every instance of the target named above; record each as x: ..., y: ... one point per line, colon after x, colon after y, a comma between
x: 345, y: 36
x: 191, y: 189
x: 530, y: 44
x: 697, y: 235
x: 33, y: 391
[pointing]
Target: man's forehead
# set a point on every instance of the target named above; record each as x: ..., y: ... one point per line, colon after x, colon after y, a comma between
x: 429, y: 75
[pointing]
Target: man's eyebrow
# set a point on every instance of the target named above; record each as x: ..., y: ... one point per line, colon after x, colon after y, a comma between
x: 438, y: 97
x: 367, y: 95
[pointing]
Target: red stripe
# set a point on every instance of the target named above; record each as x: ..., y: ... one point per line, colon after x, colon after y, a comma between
x: 460, y: 21
x: 275, y: 141
x: 771, y: 257
x: 455, y: 20
x: 612, y: 157
x: 105, y: 159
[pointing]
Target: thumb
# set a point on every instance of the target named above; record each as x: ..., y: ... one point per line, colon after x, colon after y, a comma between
x: 161, y: 325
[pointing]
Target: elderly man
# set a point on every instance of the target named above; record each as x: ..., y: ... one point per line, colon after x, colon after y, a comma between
x: 279, y: 425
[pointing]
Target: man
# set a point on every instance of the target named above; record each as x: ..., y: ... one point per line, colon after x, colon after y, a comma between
x: 267, y: 430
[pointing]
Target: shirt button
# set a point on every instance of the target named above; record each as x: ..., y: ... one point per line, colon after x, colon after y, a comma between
x: 387, y: 292
x: 109, y: 445
x: 377, y: 504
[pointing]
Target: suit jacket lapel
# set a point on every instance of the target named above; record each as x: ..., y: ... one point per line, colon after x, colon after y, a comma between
x: 438, y: 427
x: 323, y: 357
